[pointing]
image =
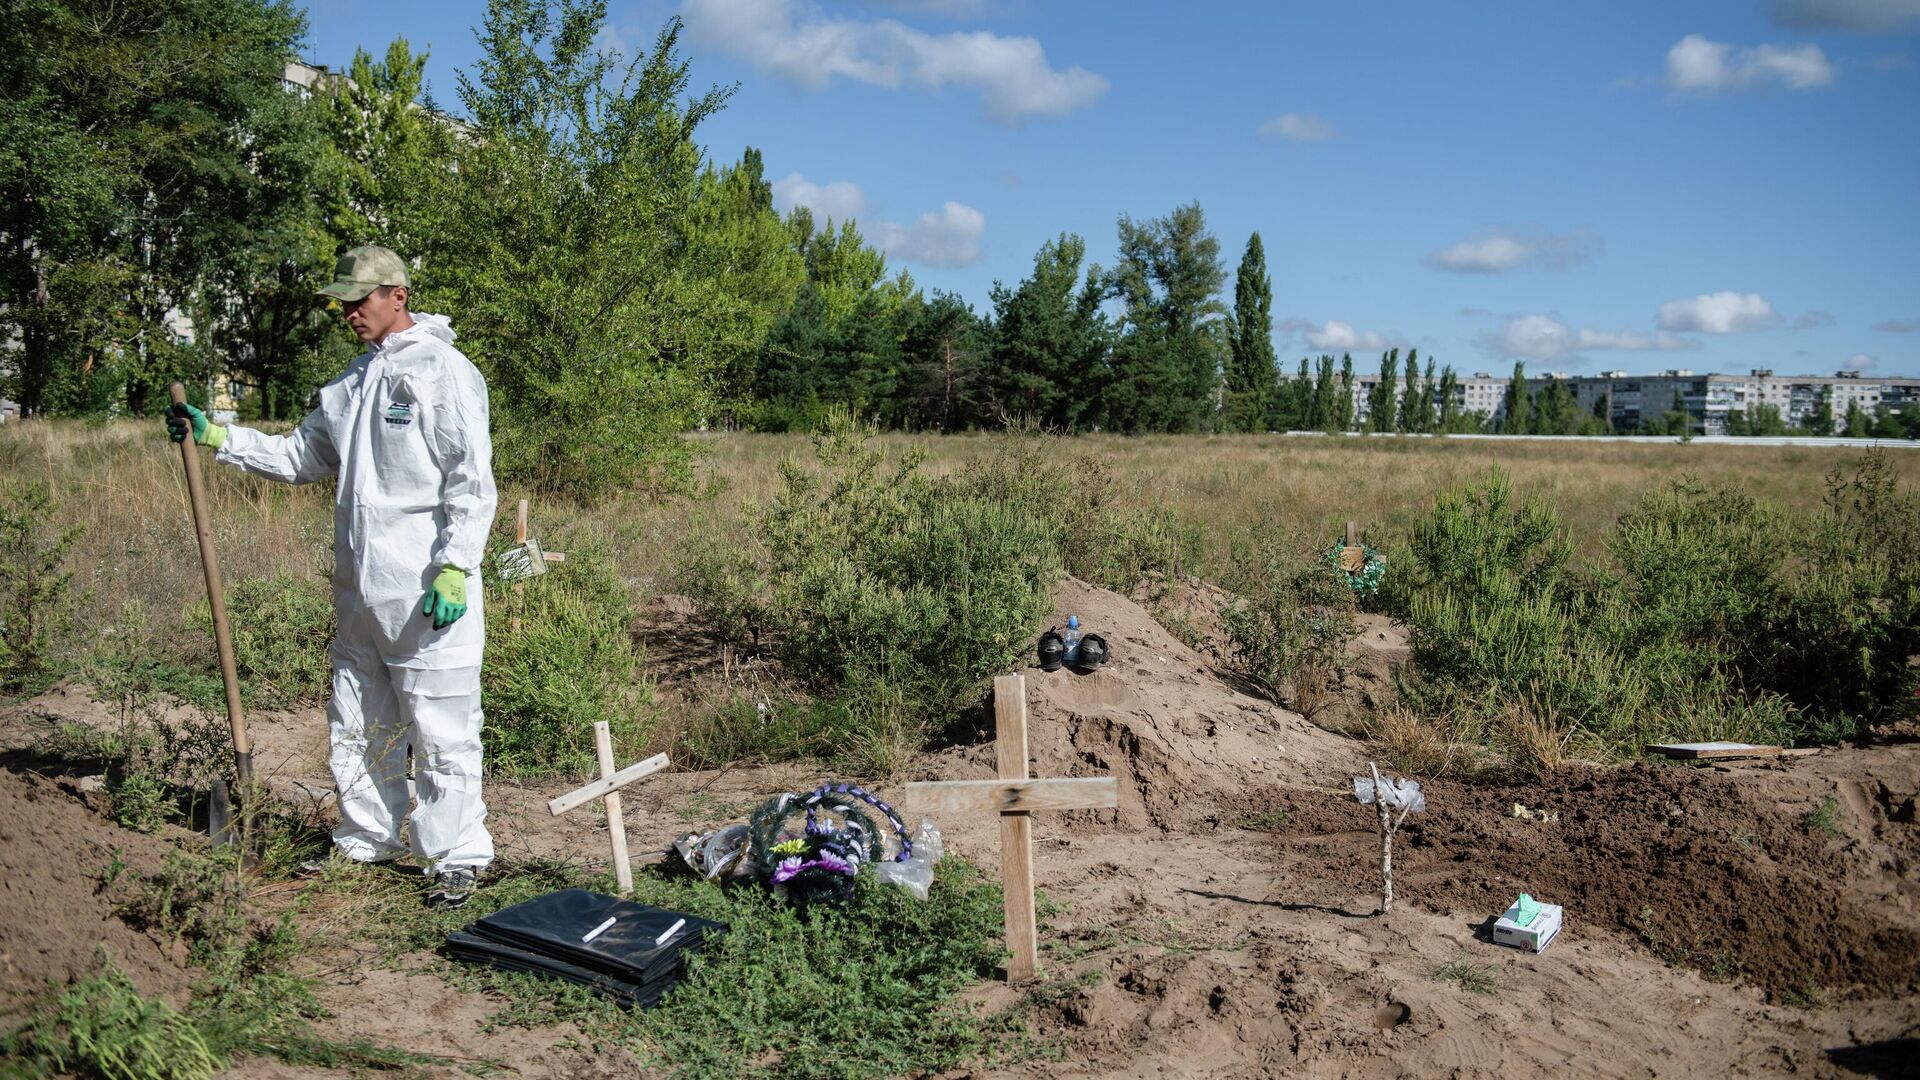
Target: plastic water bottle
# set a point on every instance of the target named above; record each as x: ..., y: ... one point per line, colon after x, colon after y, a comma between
x: 1071, y: 639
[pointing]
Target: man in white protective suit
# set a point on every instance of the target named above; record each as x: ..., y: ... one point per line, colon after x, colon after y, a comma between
x: 404, y: 428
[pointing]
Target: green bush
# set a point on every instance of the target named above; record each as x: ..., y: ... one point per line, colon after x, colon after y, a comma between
x: 571, y: 661
x: 882, y: 579
x: 36, y: 597
x: 102, y: 1027
x: 889, y: 596
x: 281, y: 624
x: 1105, y: 534
x: 1716, y: 616
x: 1290, y: 626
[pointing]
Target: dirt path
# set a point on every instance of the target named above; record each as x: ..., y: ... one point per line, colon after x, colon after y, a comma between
x: 1221, y: 921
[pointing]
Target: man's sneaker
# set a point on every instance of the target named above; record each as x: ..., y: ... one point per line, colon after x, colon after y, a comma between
x: 451, y: 888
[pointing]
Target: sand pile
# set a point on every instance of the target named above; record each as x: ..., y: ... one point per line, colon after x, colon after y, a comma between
x: 1188, y: 746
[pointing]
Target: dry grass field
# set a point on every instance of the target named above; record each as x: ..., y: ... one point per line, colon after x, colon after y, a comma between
x: 122, y: 482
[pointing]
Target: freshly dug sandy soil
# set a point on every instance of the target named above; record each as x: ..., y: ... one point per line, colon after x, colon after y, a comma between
x: 1222, y: 920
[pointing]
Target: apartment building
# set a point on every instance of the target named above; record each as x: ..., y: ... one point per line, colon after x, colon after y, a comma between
x: 1709, y: 398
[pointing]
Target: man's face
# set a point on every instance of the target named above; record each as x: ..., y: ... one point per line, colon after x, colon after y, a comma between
x: 374, y: 315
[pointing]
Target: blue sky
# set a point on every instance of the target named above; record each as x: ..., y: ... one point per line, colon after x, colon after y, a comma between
x: 1638, y: 186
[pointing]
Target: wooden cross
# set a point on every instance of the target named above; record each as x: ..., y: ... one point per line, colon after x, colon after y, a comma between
x: 608, y: 788
x: 1015, y: 796
x: 520, y: 540
x: 1353, y: 557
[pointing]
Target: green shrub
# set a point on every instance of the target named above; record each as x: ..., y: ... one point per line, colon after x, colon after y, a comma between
x: 102, y: 1027
x: 889, y: 597
x: 1290, y: 627
x: 571, y: 661
x: 1105, y: 534
x: 1717, y: 616
x: 281, y: 625
x: 1841, y: 648
x: 898, y: 593
x: 36, y: 597
x: 141, y: 802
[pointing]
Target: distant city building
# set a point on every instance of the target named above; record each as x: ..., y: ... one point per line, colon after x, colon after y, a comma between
x: 1631, y: 401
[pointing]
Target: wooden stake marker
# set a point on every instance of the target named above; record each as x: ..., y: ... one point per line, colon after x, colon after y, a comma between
x: 1353, y: 557
x: 1015, y: 796
x: 608, y: 788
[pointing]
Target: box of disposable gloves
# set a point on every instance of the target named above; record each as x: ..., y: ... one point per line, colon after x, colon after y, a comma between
x: 1528, y: 924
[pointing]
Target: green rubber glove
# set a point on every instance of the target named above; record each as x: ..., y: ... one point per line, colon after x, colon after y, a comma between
x: 183, y: 418
x: 1526, y: 909
x: 447, y: 600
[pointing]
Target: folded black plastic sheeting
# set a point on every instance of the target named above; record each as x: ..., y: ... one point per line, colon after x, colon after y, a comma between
x: 629, y: 941
x: 474, y: 949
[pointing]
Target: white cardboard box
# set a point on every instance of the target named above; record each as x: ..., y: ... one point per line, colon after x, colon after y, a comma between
x: 1534, y: 938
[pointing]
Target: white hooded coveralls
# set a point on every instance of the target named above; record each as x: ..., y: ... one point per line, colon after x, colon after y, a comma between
x: 405, y: 430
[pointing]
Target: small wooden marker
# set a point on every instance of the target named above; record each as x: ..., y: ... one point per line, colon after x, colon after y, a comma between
x: 1353, y: 557
x: 608, y: 788
x: 520, y: 540
x: 1015, y: 797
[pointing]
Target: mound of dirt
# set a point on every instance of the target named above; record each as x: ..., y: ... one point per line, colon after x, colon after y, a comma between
x: 1696, y: 864
x: 56, y: 920
x: 1188, y: 747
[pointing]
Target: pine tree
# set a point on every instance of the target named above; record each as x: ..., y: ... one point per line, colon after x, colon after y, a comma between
x: 1251, y: 377
x: 1049, y: 354
x: 1384, y: 400
x: 1409, y: 419
x: 1166, y: 363
x: 1518, y: 402
x: 1428, y: 420
x: 1327, y: 398
x: 1345, y: 404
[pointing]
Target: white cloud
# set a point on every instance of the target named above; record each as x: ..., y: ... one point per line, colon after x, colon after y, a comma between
x: 1543, y: 337
x: 1698, y: 64
x: 954, y: 9
x: 1297, y: 127
x: 1868, y: 16
x: 798, y: 41
x: 837, y: 201
x: 1336, y: 336
x: 1498, y: 251
x: 1718, y: 313
x: 1861, y: 361
x: 949, y: 236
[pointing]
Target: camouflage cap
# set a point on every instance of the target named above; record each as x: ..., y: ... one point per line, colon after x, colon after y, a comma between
x: 363, y: 270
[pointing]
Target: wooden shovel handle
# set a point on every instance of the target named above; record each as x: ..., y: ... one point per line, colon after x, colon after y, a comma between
x: 216, y: 601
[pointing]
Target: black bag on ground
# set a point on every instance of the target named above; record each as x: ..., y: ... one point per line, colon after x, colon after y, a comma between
x: 626, y: 960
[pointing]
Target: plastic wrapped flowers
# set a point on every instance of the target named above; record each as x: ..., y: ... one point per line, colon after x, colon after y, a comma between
x: 809, y: 848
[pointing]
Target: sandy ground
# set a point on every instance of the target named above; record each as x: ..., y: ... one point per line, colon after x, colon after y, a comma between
x: 1221, y: 922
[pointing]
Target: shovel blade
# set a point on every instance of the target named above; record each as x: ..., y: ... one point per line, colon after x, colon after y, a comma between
x: 220, y: 814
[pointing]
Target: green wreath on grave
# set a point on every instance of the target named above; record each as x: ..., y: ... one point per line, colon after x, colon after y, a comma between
x: 1372, y: 570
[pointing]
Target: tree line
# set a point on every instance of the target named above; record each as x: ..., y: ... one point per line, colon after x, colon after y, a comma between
x: 170, y: 206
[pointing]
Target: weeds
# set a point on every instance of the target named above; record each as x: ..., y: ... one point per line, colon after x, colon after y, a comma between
x: 36, y: 596
x: 1291, y: 627
x: 1473, y: 978
x: 101, y: 1026
x: 560, y: 656
x: 1824, y: 818
x: 775, y: 996
x: 281, y: 625
x: 1809, y: 995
